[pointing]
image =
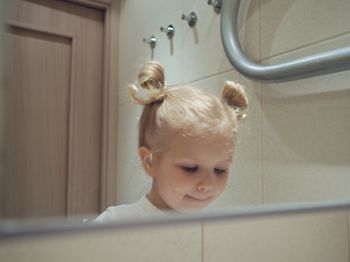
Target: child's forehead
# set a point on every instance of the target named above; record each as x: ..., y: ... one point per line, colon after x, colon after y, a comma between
x: 205, y: 143
x: 204, y: 137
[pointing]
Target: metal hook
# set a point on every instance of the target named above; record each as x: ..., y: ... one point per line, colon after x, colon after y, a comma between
x: 216, y: 4
x: 169, y: 30
x: 191, y: 18
x: 152, y: 41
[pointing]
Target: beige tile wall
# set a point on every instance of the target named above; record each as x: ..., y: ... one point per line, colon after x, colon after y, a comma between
x: 315, y: 237
x: 132, y: 180
x: 180, y: 243
x: 306, y: 141
x: 203, y: 53
x: 290, y: 24
x: 293, y: 238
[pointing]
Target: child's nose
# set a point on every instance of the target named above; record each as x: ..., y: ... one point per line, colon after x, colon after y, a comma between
x: 205, y: 185
x: 204, y: 188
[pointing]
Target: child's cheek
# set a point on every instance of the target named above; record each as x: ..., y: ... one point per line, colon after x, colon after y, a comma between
x: 184, y: 180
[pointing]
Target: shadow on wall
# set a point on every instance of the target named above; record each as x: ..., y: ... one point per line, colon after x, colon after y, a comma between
x: 315, y: 126
x: 283, y: 8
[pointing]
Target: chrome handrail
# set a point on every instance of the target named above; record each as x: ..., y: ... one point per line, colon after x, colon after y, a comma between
x: 308, y: 66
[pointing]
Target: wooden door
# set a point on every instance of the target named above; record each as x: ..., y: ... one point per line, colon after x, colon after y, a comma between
x: 54, y: 104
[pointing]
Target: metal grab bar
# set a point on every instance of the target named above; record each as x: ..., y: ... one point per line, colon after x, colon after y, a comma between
x: 318, y: 64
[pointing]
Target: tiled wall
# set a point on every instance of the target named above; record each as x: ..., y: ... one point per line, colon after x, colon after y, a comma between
x: 293, y: 238
x: 321, y: 237
x: 181, y: 243
x: 295, y: 144
x: 306, y: 132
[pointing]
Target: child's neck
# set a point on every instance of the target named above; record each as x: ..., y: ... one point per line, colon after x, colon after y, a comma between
x: 157, y: 201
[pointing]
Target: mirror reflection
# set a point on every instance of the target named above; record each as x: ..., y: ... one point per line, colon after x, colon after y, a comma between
x: 186, y: 142
x: 74, y: 142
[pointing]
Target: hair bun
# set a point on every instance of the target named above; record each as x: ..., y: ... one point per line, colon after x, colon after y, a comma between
x: 151, y: 78
x: 151, y: 75
x: 235, y: 96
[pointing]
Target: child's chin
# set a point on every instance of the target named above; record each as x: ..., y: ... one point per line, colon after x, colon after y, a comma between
x: 189, y: 210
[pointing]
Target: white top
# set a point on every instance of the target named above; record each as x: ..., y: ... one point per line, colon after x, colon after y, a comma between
x: 141, y: 208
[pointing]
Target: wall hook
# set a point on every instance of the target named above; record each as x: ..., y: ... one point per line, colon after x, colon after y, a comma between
x: 216, y: 4
x: 191, y: 18
x: 152, y: 41
x: 169, y: 30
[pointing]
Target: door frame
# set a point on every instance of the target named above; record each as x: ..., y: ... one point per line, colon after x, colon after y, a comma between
x: 109, y: 129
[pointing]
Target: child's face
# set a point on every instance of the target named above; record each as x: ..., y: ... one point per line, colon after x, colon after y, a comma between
x: 191, y: 173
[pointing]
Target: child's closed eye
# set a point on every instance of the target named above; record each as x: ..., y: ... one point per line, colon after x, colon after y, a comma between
x: 219, y: 171
x: 189, y: 169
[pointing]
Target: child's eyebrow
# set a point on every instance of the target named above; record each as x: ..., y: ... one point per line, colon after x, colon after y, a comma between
x: 226, y: 162
x: 194, y: 160
x: 187, y: 160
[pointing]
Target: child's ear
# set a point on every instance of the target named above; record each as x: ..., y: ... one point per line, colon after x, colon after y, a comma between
x: 145, y: 154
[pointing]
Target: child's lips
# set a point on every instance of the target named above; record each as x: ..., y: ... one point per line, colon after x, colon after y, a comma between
x: 202, y: 199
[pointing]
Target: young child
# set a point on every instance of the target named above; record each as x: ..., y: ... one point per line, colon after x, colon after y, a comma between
x: 186, y: 143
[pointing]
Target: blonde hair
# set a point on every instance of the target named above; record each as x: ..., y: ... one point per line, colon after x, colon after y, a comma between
x: 186, y: 109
